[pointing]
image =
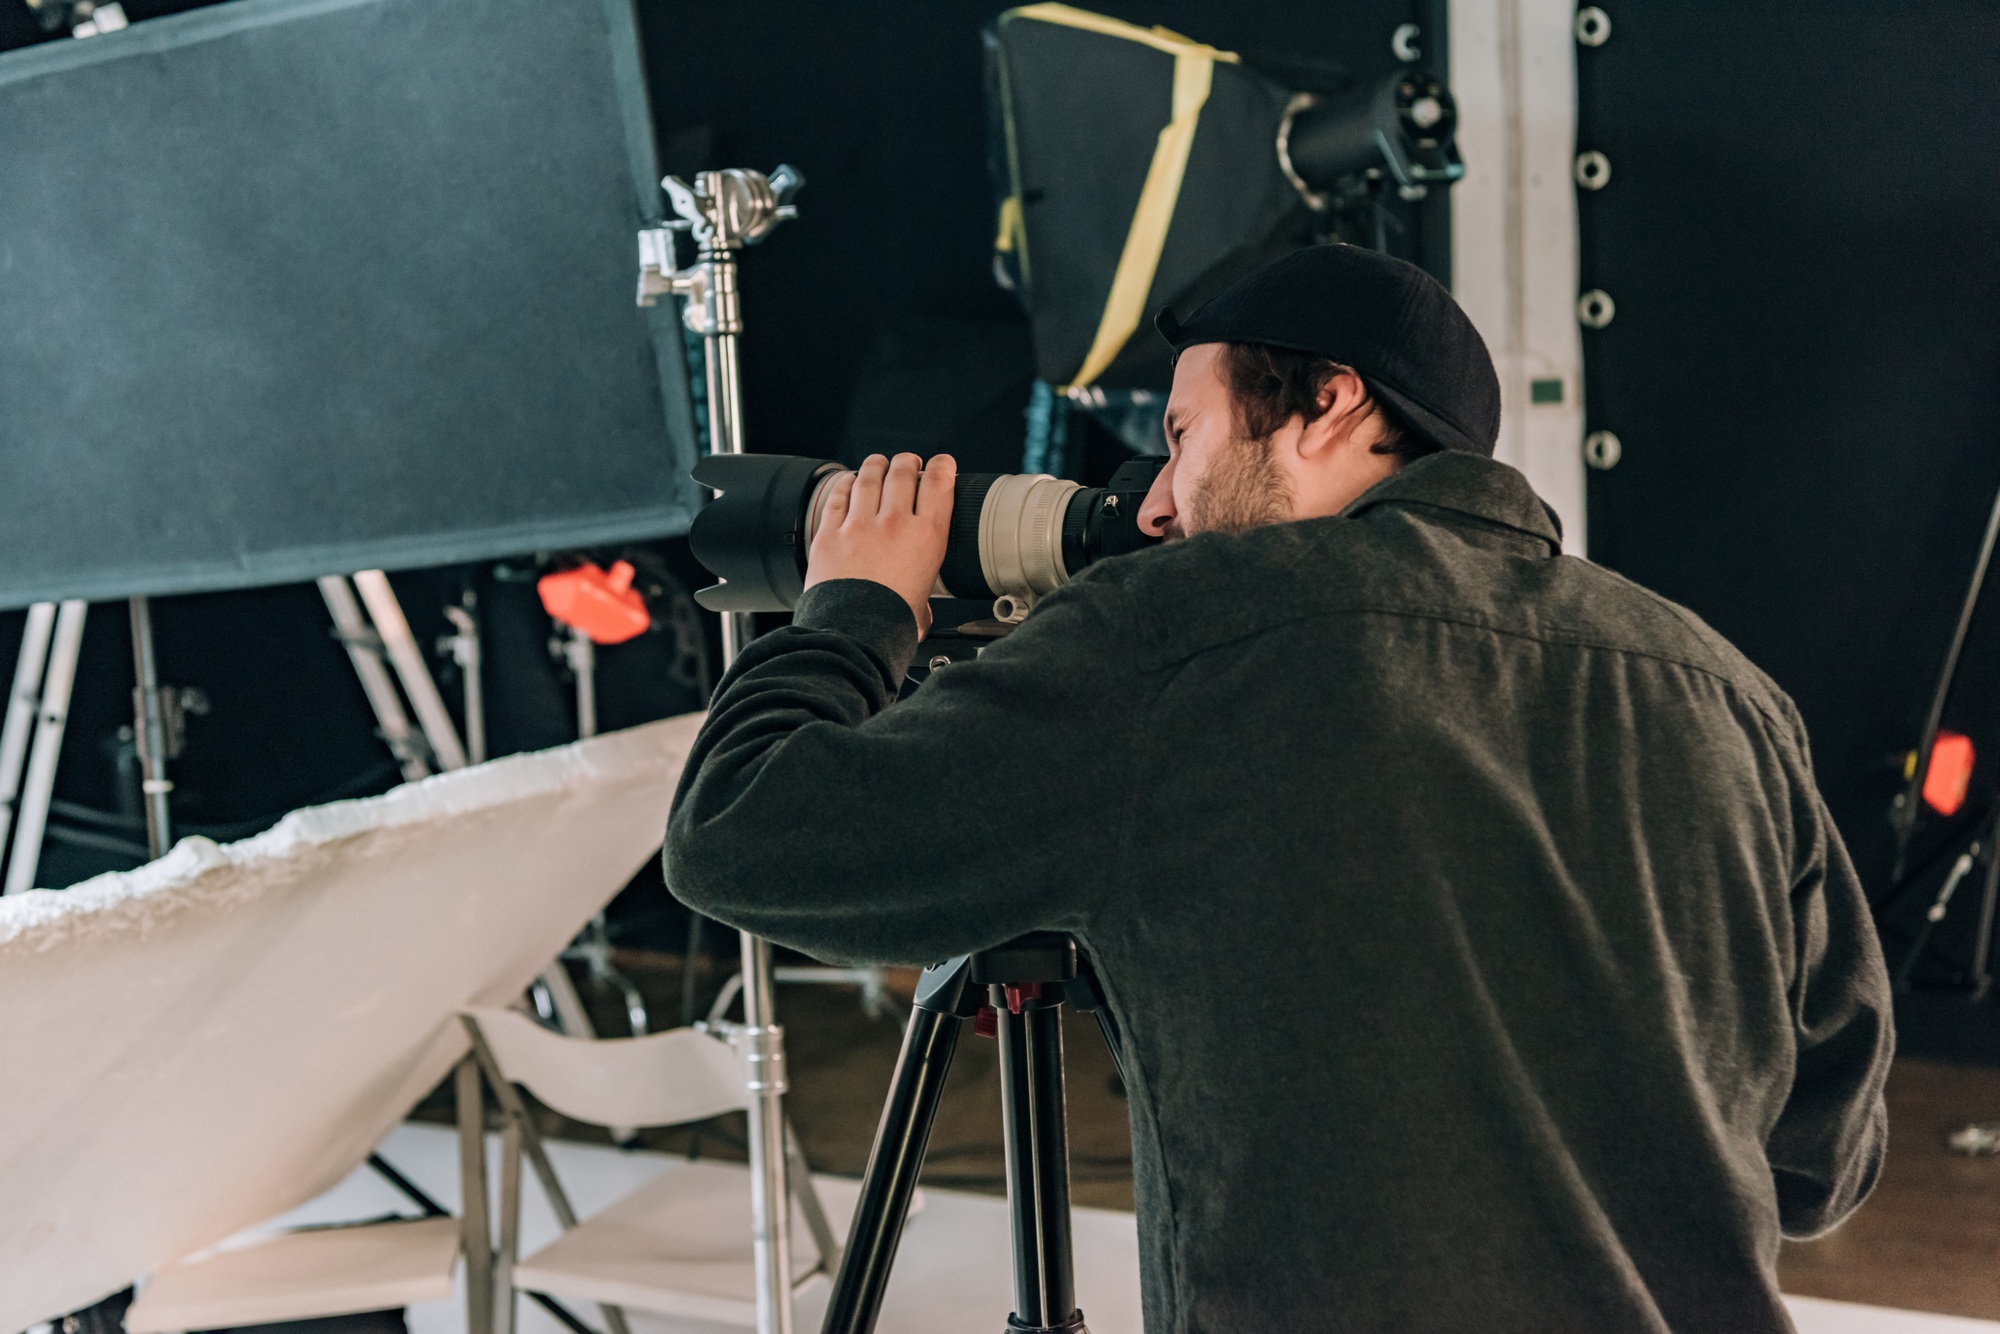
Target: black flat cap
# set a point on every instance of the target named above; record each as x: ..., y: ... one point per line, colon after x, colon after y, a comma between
x: 1392, y: 322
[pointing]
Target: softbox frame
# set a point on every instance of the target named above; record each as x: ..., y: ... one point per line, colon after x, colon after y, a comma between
x: 298, y: 287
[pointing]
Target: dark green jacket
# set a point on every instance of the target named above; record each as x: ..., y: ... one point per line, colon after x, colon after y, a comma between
x: 1486, y: 957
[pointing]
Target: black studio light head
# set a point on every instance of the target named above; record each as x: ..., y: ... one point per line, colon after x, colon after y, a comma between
x: 1136, y: 169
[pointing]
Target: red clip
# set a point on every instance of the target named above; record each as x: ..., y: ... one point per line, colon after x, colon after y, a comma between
x: 986, y: 1023
x: 1027, y: 991
x: 601, y: 603
x: 1950, y: 772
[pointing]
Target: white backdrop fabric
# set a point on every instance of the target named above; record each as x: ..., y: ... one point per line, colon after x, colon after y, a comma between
x: 197, y: 1045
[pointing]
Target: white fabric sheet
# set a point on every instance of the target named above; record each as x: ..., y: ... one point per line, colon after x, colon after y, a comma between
x: 192, y: 1047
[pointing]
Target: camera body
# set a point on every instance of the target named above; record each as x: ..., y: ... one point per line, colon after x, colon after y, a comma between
x: 1015, y: 537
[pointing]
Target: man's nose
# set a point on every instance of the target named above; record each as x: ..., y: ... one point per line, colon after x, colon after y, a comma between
x: 1159, y: 511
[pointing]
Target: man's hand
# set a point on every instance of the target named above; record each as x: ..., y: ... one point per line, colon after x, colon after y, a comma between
x: 888, y: 523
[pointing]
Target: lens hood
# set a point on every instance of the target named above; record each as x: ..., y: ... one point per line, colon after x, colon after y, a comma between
x: 752, y: 535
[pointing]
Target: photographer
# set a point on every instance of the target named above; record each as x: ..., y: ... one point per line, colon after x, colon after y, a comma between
x: 1485, y: 955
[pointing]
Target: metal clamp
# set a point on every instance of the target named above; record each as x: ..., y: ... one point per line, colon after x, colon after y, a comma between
x: 763, y: 1053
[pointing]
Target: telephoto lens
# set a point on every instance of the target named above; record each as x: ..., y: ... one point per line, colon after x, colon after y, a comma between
x: 1015, y: 537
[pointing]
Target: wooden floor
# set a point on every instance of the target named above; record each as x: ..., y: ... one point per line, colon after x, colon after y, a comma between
x: 1927, y: 1240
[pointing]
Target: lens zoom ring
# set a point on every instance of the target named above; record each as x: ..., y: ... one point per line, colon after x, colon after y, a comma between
x: 962, y: 573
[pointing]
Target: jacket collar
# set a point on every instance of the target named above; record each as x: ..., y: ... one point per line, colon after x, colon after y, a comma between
x: 1470, y: 485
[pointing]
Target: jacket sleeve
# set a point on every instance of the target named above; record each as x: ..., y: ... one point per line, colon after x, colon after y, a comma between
x: 1827, y: 1147
x: 988, y: 804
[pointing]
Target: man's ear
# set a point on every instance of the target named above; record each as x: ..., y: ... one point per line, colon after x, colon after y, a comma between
x: 1344, y: 404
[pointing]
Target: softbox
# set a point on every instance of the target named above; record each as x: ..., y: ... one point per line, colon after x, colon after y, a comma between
x: 296, y: 287
x: 1119, y: 154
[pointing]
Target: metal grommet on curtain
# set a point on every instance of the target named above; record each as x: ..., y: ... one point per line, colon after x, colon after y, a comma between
x: 1593, y: 26
x: 1602, y: 450
x: 1595, y: 309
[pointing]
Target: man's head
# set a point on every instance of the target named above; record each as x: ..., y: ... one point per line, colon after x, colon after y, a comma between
x: 1309, y: 381
x: 1260, y: 434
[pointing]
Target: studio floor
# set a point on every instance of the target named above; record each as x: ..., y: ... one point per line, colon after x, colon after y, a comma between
x: 1926, y: 1242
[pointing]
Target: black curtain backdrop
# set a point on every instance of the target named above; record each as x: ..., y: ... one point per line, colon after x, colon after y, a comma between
x: 1804, y: 368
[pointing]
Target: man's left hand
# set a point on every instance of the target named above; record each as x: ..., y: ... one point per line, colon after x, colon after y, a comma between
x: 887, y: 522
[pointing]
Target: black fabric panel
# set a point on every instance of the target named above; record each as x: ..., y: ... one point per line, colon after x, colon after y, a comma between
x: 302, y: 286
x: 1802, y: 369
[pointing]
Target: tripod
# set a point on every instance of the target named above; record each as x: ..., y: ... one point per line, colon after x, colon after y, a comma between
x: 1016, y: 992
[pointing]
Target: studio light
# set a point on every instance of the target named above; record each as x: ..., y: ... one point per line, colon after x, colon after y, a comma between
x: 1137, y: 168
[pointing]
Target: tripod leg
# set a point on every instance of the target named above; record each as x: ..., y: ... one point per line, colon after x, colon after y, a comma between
x: 1031, y: 1082
x: 898, y: 1154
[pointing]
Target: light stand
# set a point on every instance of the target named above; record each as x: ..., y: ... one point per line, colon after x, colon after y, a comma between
x: 725, y: 211
x: 1978, y: 838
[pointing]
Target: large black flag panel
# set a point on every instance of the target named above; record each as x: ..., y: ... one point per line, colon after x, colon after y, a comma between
x: 1801, y: 371
x: 293, y: 287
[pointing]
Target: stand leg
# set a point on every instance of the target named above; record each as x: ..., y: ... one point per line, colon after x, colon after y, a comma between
x: 1982, y: 950
x: 364, y: 650
x: 581, y: 655
x: 466, y: 651
x: 1900, y: 983
x: 770, y: 1192
x: 401, y: 646
x: 21, y: 703
x: 942, y: 1003
x: 151, y: 729
x: 52, y: 717
x: 1031, y: 1082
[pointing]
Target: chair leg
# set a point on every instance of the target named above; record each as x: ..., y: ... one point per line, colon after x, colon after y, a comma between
x: 516, y: 1112
x: 476, y: 1239
x: 510, y: 1226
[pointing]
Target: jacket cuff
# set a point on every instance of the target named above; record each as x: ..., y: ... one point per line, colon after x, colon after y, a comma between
x: 863, y: 610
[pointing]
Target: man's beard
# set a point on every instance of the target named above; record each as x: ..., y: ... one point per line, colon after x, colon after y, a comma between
x: 1245, y: 489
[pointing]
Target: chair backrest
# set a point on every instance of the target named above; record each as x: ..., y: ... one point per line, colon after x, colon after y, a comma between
x: 661, y: 1079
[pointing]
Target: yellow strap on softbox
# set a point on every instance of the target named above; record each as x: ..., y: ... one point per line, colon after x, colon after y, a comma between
x: 1010, y: 224
x: 1194, y: 69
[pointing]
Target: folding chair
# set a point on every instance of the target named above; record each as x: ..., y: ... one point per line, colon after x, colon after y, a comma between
x: 680, y: 1245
